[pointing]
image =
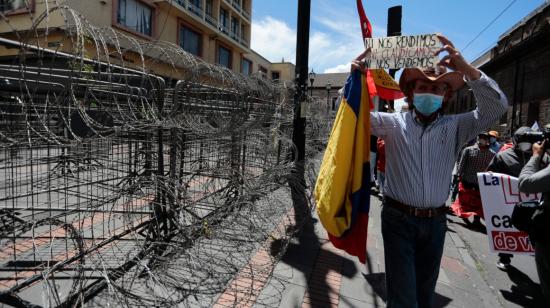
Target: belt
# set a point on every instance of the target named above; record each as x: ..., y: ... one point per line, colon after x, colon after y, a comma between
x: 415, y: 211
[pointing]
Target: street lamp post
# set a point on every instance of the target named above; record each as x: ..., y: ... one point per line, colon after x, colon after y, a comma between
x: 329, y: 86
x: 311, y: 80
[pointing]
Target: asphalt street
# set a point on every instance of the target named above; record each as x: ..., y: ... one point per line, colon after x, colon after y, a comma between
x: 517, y: 287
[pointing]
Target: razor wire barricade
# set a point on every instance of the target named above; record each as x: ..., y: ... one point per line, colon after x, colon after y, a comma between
x: 135, y: 174
x: 119, y: 187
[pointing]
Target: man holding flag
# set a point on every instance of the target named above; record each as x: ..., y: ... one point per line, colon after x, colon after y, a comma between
x: 421, y: 148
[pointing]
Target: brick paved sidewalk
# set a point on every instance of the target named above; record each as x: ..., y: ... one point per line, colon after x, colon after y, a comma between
x: 313, y: 273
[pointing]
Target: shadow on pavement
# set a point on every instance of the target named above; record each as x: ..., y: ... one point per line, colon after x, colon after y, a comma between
x: 524, y: 292
x: 480, y: 228
x: 302, y: 256
x: 378, y: 283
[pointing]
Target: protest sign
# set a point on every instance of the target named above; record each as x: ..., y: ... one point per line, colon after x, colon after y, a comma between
x: 499, y: 194
x: 402, y: 51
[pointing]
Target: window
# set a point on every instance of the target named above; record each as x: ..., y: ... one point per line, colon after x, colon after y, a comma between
x: 223, y: 19
x: 13, y: 5
x: 224, y: 56
x: 208, y: 8
x: 135, y: 16
x: 190, y: 40
x: 196, y: 7
x: 263, y: 71
x: 242, y: 30
x: 196, y: 3
x: 246, y: 67
x: 275, y: 75
x: 234, y: 27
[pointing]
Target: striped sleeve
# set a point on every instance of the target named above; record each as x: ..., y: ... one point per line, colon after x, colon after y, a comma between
x: 382, y: 123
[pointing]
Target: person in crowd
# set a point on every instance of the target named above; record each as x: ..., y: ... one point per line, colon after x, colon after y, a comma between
x: 535, y: 178
x: 493, y: 141
x: 510, y: 161
x: 474, y: 159
x: 455, y: 182
x: 381, y: 165
x: 416, y: 188
x: 509, y: 143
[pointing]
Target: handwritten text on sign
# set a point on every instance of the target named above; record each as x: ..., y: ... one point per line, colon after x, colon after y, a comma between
x: 402, y: 51
x: 499, y: 194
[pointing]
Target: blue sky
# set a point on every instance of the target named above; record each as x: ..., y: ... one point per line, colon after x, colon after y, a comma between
x: 335, y: 37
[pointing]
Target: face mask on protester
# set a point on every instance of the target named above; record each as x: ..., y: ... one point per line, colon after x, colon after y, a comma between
x: 493, y: 139
x: 525, y: 146
x: 427, y: 103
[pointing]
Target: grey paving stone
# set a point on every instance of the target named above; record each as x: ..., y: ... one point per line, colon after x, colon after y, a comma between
x: 276, y: 294
x: 346, y: 302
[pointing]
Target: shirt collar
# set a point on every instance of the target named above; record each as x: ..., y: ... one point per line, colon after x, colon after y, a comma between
x: 417, y: 121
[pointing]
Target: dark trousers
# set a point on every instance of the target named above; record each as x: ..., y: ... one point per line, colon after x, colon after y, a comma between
x: 542, y: 259
x: 413, y: 248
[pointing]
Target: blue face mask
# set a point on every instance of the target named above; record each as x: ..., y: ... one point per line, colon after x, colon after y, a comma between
x: 493, y: 140
x: 427, y: 103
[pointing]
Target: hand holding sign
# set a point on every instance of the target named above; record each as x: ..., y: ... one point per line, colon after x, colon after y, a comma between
x: 455, y: 61
x: 358, y: 63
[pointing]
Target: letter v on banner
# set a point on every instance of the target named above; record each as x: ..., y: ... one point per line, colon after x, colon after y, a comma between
x: 380, y: 82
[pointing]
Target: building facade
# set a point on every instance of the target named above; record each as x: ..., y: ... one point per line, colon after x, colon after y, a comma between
x: 216, y: 31
x: 519, y: 63
x: 325, y: 88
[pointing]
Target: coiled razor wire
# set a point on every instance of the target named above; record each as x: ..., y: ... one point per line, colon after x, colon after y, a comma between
x: 135, y: 174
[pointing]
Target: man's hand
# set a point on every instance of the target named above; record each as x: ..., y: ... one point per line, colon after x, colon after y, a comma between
x: 358, y: 63
x: 538, y: 149
x: 455, y: 61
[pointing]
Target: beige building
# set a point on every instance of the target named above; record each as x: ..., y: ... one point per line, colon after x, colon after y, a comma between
x: 216, y: 31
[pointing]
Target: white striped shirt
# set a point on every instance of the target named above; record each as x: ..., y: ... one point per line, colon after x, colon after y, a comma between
x: 420, y: 159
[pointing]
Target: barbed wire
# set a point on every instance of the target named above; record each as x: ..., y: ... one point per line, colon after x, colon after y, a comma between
x: 135, y: 174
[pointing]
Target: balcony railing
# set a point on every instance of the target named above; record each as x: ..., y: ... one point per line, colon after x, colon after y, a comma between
x: 244, y: 41
x: 236, y: 5
x: 245, y: 14
x: 197, y: 10
x: 224, y: 29
x: 210, y: 20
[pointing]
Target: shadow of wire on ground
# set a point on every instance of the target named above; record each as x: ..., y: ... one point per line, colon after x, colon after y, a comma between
x: 302, y: 257
x: 305, y: 247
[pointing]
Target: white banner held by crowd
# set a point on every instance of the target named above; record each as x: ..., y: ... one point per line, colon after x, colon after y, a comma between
x: 499, y: 194
x: 402, y: 51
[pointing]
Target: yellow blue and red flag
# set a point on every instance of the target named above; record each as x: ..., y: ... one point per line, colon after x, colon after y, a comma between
x: 342, y: 190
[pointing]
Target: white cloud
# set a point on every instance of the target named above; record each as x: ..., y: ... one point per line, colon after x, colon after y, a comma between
x: 335, y: 39
x: 274, y: 39
x: 342, y: 68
